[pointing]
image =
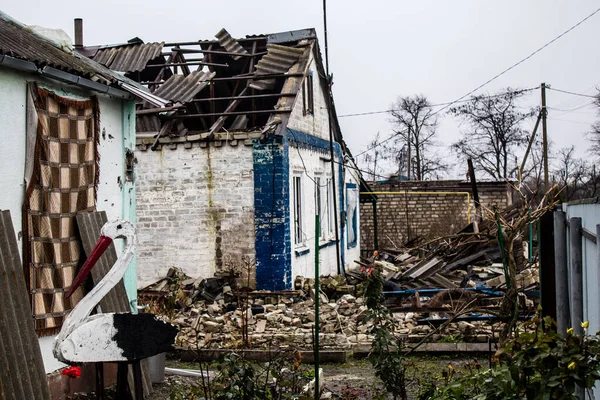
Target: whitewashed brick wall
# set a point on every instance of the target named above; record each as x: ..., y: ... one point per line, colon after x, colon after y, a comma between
x: 199, y: 203
x: 312, y: 164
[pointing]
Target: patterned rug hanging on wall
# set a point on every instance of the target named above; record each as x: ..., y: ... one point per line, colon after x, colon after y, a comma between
x: 64, y: 178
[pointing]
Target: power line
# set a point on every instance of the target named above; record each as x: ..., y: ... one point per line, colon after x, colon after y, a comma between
x: 433, y: 105
x: 507, y: 70
x: 434, y: 113
x: 572, y: 109
x: 382, y: 142
x: 526, y: 58
x: 573, y: 93
x: 386, y: 177
x: 571, y: 121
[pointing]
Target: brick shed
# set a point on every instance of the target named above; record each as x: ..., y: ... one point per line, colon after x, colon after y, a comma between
x: 408, y: 209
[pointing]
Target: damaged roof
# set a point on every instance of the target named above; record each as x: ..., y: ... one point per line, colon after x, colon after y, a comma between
x: 19, y: 42
x: 132, y: 57
x: 218, y: 85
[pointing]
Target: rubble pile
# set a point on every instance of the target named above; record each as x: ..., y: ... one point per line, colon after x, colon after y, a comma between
x: 466, y: 260
x: 458, y: 282
x: 286, y: 319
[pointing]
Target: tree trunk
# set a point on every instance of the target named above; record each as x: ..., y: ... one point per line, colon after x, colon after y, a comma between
x: 510, y: 305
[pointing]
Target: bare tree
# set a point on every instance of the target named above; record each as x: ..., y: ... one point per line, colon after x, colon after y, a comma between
x: 415, y: 127
x: 494, y: 132
x: 576, y: 177
x: 374, y: 157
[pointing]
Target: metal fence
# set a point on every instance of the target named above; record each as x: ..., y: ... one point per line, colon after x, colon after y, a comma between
x: 577, y: 266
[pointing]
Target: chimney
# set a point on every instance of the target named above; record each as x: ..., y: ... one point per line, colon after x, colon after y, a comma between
x: 78, y: 33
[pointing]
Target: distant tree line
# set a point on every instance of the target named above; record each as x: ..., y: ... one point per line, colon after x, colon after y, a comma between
x: 493, y: 135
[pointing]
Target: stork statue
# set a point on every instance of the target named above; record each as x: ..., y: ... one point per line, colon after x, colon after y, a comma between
x: 111, y: 337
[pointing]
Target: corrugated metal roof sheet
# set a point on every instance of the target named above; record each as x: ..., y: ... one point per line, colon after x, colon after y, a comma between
x: 278, y: 60
x: 16, y: 41
x: 183, y: 89
x: 128, y: 58
x: 22, y: 374
x: 230, y: 44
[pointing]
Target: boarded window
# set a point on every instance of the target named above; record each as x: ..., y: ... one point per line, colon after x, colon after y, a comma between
x: 63, y: 182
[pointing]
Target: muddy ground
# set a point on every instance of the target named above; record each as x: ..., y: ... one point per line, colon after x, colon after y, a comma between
x: 353, y: 380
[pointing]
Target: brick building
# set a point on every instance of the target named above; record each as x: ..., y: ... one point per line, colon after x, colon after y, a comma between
x: 236, y: 166
x: 406, y: 210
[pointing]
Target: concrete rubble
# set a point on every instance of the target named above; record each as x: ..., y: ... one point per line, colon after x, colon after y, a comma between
x: 287, y: 319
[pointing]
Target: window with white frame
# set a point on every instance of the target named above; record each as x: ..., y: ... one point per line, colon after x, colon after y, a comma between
x: 330, y: 208
x: 352, y: 214
x: 298, y: 223
x: 321, y: 206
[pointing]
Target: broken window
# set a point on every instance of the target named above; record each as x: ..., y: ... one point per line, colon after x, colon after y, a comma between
x: 298, y: 228
x: 308, y: 101
x: 352, y: 213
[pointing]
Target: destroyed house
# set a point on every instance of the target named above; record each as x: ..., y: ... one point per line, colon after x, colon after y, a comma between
x: 233, y: 169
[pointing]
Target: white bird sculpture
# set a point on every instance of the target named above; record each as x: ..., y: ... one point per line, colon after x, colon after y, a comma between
x: 114, y: 337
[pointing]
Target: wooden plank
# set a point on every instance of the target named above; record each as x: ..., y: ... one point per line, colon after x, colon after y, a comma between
x: 89, y: 225
x: 442, y: 282
x: 22, y: 374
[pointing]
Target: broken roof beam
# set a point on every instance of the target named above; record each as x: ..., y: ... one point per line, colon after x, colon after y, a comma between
x: 197, y: 42
x: 253, y: 96
x: 240, y: 77
x: 217, y: 52
x: 188, y: 62
x: 273, y: 111
x: 144, y: 111
x: 230, y: 108
x: 247, y: 77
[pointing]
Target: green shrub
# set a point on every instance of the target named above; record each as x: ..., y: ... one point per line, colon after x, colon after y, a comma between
x: 536, y: 364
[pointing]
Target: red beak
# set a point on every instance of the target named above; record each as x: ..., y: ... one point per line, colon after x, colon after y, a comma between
x: 92, y: 259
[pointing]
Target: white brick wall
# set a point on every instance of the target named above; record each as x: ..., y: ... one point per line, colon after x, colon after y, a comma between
x: 196, y: 201
x: 311, y: 164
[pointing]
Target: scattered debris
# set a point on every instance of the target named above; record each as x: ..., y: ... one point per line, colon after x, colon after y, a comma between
x: 425, y: 286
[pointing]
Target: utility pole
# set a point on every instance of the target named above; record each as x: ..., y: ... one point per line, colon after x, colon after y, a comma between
x: 545, y: 136
x: 409, y: 156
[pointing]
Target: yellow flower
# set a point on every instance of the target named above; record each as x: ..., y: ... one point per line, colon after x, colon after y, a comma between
x: 572, y: 365
x: 570, y: 331
x: 585, y: 324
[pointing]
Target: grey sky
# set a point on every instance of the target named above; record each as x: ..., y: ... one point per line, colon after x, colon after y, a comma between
x: 383, y: 49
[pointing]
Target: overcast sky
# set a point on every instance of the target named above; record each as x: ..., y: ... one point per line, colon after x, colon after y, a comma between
x: 380, y: 50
